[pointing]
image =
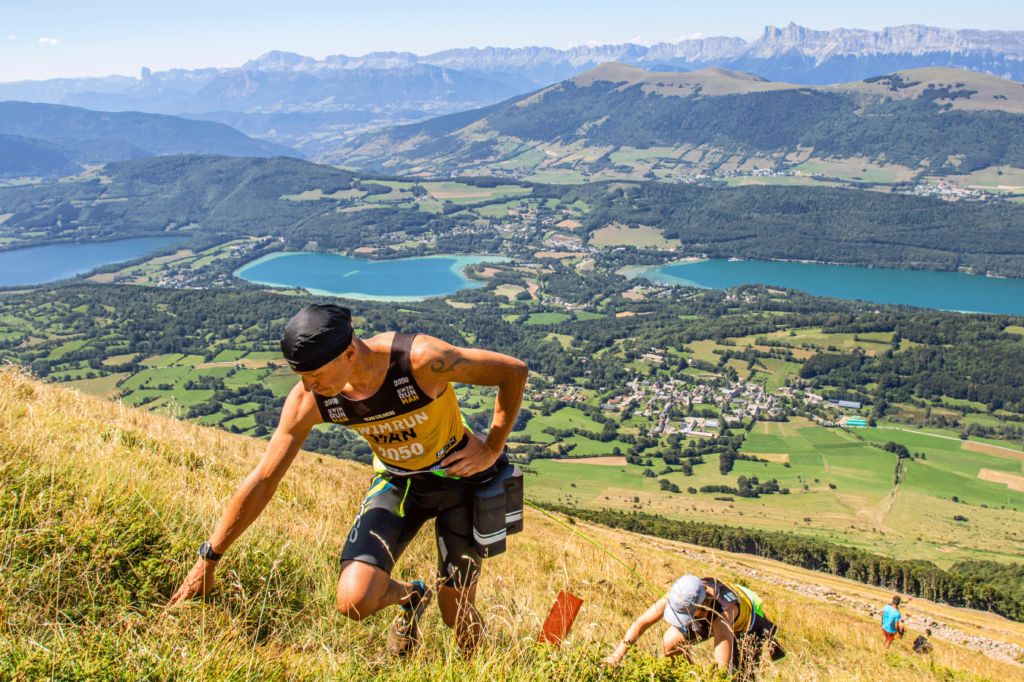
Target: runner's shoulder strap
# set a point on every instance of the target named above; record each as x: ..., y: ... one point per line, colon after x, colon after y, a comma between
x: 401, y: 352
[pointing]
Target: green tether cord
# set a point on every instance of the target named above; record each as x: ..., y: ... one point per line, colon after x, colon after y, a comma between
x: 401, y: 507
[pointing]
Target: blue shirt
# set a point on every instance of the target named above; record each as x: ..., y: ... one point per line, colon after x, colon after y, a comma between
x: 890, y: 616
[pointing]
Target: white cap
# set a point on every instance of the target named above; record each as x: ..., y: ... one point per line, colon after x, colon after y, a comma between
x: 686, y: 596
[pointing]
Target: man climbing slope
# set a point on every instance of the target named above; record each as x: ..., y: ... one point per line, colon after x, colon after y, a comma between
x: 396, y: 391
x: 699, y: 608
x: 892, y: 625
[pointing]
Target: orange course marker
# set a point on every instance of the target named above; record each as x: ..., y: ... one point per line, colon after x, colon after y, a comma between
x: 560, y: 619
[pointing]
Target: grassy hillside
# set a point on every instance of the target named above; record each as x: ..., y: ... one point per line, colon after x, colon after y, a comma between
x: 894, y: 126
x: 103, y: 505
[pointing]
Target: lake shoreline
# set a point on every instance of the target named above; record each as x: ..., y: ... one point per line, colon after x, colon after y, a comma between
x: 629, y: 271
x: 68, y: 260
x: 457, y: 268
x: 938, y: 290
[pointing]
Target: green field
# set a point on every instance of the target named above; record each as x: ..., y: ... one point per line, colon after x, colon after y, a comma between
x: 557, y: 177
x: 495, y: 210
x: 160, y: 383
x: 619, y: 235
x: 861, y: 510
x: 547, y: 318
x: 459, y: 193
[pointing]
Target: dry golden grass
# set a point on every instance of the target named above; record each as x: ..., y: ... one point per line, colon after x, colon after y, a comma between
x: 774, y: 456
x: 994, y: 450
x: 1012, y: 481
x: 558, y: 254
x: 103, y: 506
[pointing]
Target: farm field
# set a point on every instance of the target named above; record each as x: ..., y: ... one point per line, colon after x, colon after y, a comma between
x: 460, y: 193
x: 860, y: 511
x: 620, y: 235
x: 856, y: 169
x: 162, y: 384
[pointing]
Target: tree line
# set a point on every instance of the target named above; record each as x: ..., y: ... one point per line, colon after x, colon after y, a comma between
x: 976, y: 585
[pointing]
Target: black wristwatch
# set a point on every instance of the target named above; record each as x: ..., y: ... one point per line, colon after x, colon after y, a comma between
x: 206, y: 552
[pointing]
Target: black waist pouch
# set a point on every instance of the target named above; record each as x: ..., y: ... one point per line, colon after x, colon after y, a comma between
x: 498, y: 511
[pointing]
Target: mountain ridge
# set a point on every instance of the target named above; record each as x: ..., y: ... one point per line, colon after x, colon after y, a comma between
x: 793, y: 50
x: 459, y: 79
x: 821, y: 45
x: 939, y: 120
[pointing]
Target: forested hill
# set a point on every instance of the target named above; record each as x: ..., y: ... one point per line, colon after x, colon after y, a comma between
x: 821, y: 224
x: 210, y: 197
x: 936, y: 120
x: 152, y: 134
x: 21, y: 156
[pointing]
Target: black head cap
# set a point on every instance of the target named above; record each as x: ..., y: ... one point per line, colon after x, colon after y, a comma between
x: 315, y: 336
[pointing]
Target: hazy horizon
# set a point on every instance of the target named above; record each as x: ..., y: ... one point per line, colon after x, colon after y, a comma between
x: 98, y: 38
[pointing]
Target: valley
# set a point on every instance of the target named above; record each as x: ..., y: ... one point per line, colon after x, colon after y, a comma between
x: 769, y: 291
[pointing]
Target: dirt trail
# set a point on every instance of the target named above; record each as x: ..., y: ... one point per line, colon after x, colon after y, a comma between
x: 886, y: 511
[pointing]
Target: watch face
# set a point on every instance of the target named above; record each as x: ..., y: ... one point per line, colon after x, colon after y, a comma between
x: 206, y: 552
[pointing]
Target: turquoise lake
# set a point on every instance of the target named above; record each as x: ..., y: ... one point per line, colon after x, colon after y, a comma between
x: 923, y: 288
x: 408, y: 279
x: 42, y: 264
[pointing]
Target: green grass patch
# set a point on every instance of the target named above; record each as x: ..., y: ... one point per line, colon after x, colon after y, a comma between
x: 162, y: 360
x: 100, y: 386
x: 547, y: 318
x: 66, y: 348
x: 229, y: 355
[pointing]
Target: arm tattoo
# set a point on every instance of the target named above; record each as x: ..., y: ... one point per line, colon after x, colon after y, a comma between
x: 439, y: 368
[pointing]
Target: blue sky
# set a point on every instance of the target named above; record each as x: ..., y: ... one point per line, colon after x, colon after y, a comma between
x: 71, y: 38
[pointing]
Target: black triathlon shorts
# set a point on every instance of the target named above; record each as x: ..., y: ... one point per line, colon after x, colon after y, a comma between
x: 748, y: 645
x: 395, y: 509
x: 746, y: 654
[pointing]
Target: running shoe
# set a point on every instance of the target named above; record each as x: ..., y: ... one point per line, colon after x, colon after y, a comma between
x: 405, y: 631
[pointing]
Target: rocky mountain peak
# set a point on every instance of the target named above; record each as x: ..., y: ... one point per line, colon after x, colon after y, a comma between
x: 278, y: 61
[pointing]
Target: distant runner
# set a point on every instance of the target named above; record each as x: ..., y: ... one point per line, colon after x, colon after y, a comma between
x: 699, y: 608
x: 921, y: 644
x: 396, y: 391
x: 892, y: 625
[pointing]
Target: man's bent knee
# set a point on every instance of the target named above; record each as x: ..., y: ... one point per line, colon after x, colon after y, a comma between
x: 360, y: 589
x: 674, y: 644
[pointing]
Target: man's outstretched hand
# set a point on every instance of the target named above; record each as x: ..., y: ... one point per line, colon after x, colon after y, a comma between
x: 199, y: 581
